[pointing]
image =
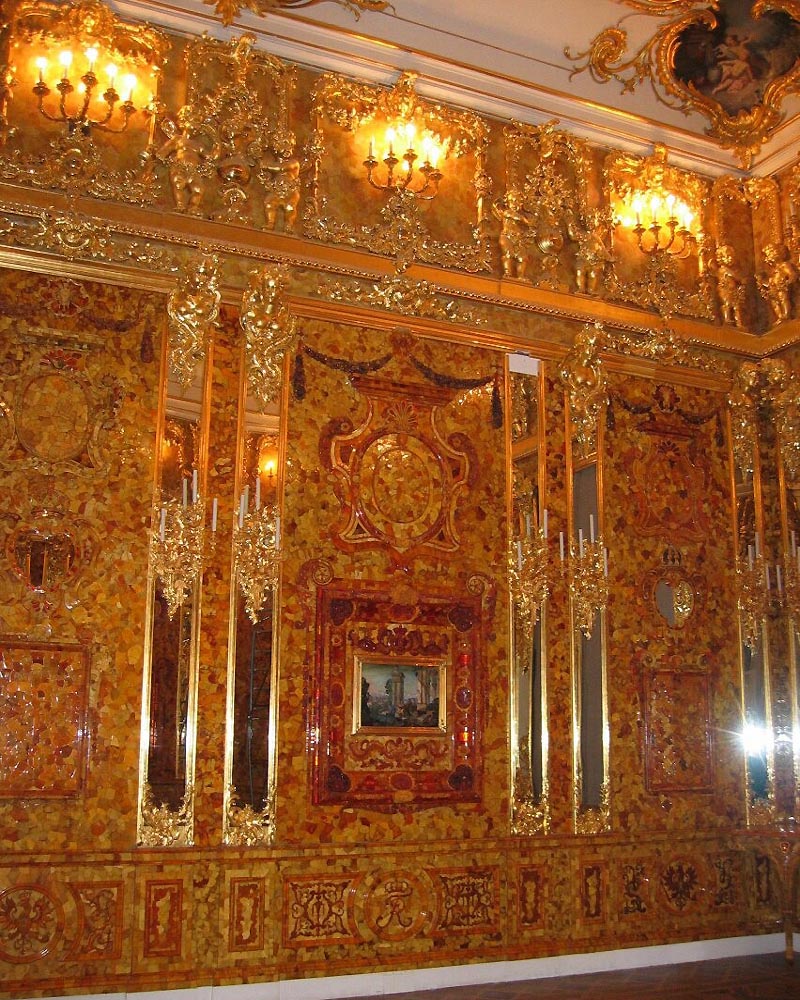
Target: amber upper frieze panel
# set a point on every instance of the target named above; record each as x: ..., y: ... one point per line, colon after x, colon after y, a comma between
x: 439, y: 223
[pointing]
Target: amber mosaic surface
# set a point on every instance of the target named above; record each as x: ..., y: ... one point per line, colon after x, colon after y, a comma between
x: 345, y: 886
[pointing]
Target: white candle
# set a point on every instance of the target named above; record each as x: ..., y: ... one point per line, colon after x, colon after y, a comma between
x: 561, y: 545
x: 591, y: 528
x: 258, y: 492
x: 214, y: 512
x: 750, y: 556
x: 528, y: 525
x: 185, y: 487
x: 544, y: 522
x: 246, y: 498
x: 194, y: 486
x: 163, y: 525
x: 519, y: 555
x: 779, y: 579
x: 580, y: 542
x: 278, y: 531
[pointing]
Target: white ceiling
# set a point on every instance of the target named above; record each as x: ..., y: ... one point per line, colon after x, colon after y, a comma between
x: 502, y: 57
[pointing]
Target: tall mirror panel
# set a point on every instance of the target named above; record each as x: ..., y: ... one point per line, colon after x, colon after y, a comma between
x: 528, y: 573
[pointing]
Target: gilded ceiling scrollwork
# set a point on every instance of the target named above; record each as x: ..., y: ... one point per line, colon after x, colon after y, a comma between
x: 736, y: 67
x: 228, y: 10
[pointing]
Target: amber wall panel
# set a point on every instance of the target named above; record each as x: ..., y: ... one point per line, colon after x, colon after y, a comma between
x: 79, y: 383
x: 673, y: 689
x: 444, y: 536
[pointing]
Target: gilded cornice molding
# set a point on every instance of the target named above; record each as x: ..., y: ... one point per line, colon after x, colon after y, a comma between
x: 140, y: 251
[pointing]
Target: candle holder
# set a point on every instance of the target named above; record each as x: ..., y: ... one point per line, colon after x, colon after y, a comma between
x: 528, y: 580
x: 753, y: 597
x: 256, y: 547
x: 177, y: 548
x: 587, y: 571
x: 789, y: 593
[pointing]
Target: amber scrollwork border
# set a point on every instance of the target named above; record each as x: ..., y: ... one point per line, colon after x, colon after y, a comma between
x: 607, y: 58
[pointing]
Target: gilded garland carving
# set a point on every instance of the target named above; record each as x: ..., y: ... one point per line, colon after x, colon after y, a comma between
x: 400, y: 295
x: 592, y: 820
x: 584, y: 380
x: 349, y: 105
x: 742, y: 102
x: 546, y: 224
x: 743, y: 404
x: 80, y: 237
x: 193, y: 309
x: 246, y: 826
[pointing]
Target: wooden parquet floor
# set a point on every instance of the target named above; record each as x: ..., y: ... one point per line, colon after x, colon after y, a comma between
x: 760, y: 977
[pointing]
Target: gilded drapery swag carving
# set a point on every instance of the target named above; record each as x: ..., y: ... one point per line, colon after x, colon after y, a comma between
x: 401, y: 232
x: 719, y: 89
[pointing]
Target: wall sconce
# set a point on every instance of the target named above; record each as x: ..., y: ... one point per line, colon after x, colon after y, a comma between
x: 661, y: 222
x: 528, y: 575
x: 754, y: 587
x: 178, y: 537
x: 789, y: 587
x: 80, y: 116
x: 85, y: 66
x: 423, y: 181
x: 256, y: 549
x: 587, y: 574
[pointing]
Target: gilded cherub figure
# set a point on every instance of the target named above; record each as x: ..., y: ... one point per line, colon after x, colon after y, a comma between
x: 189, y: 162
x: 730, y: 286
x: 281, y: 179
x: 515, y: 233
x: 593, y: 250
x: 776, y: 280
